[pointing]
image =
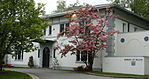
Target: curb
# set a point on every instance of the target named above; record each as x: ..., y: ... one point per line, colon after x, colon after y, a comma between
x: 33, y: 76
x: 107, y: 76
x: 117, y: 76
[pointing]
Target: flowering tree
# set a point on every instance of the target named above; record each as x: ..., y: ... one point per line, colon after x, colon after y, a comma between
x: 87, y: 32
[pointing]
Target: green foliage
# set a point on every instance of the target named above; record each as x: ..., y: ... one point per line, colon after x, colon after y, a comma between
x: 140, y: 7
x: 13, y: 75
x: 19, y: 24
x: 61, y: 7
x: 122, y: 3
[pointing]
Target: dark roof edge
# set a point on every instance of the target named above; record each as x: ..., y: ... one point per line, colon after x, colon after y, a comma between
x: 134, y: 14
x: 102, y: 6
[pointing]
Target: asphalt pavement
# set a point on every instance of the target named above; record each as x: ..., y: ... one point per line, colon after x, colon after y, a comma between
x: 57, y: 74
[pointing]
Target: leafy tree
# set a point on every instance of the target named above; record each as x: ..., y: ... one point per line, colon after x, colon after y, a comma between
x: 122, y: 3
x: 140, y: 7
x: 83, y: 35
x: 19, y: 24
x: 61, y: 7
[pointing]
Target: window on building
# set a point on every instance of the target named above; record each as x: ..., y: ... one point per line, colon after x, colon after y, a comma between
x: 44, y: 31
x: 81, y: 56
x: 19, y: 55
x: 38, y: 53
x: 67, y: 24
x: 54, y: 50
x: 61, y: 27
x: 128, y: 27
x: 50, y: 30
x: 135, y: 29
x: 124, y: 27
x: 78, y: 56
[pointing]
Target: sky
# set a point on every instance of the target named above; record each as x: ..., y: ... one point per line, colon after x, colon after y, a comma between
x: 50, y: 5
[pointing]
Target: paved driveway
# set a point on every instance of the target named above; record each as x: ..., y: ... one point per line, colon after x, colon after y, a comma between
x: 56, y: 74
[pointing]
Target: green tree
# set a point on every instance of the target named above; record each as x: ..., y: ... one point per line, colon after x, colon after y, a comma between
x: 19, y: 24
x: 140, y: 7
x: 61, y: 6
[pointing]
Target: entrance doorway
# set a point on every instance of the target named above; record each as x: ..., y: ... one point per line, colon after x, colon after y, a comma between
x: 46, y: 57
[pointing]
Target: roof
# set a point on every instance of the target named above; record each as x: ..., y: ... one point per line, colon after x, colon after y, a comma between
x: 103, y: 6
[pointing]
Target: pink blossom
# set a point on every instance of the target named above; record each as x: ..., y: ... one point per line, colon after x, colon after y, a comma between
x: 87, y: 36
x: 103, y: 38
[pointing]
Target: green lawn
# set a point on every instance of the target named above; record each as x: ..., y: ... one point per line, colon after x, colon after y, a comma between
x: 117, y: 74
x: 13, y: 75
x: 106, y: 74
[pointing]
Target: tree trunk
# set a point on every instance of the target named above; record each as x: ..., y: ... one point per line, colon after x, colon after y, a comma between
x: 90, y: 62
x: 1, y: 65
x: 1, y: 61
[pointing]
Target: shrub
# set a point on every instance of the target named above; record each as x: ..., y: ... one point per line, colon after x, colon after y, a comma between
x: 31, y: 62
x: 86, y: 68
x: 79, y: 68
x: 82, y: 68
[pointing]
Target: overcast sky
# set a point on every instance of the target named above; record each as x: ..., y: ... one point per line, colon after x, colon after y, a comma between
x: 51, y: 4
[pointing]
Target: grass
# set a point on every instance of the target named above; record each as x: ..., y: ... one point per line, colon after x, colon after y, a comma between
x: 117, y: 74
x: 13, y: 75
x: 18, y: 67
x: 108, y: 74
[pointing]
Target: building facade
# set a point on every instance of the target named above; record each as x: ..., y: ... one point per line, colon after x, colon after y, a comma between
x: 130, y: 45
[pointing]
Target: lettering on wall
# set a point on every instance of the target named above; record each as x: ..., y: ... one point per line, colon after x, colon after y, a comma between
x: 133, y: 59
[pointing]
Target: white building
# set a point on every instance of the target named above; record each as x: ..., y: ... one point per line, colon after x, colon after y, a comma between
x: 127, y: 53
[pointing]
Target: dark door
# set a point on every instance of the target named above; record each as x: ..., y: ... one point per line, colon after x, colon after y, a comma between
x: 46, y: 57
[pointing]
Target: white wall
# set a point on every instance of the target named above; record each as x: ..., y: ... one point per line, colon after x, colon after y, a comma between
x: 69, y: 61
x: 132, y: 28
x: 119, y: 26
x: 146, y: 65
x: 134, y: 44
x: 124, y: 65
x: 24, y: 62
x: 55, y: 29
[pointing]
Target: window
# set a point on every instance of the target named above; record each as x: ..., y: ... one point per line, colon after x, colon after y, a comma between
x: 44, y: 31
x: 122, y: 40
x: 50, y: 30
x: 81, y: 56
x: 135, y: 29
x: 38, y: 53
x: 128, y: 27
x: 54, y: 53
x: 19, y: 55
x: 78, y: 56
x: 67, y: 24
x: 146, y: 38
x: 61, y: 27
x: 124, y: 27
